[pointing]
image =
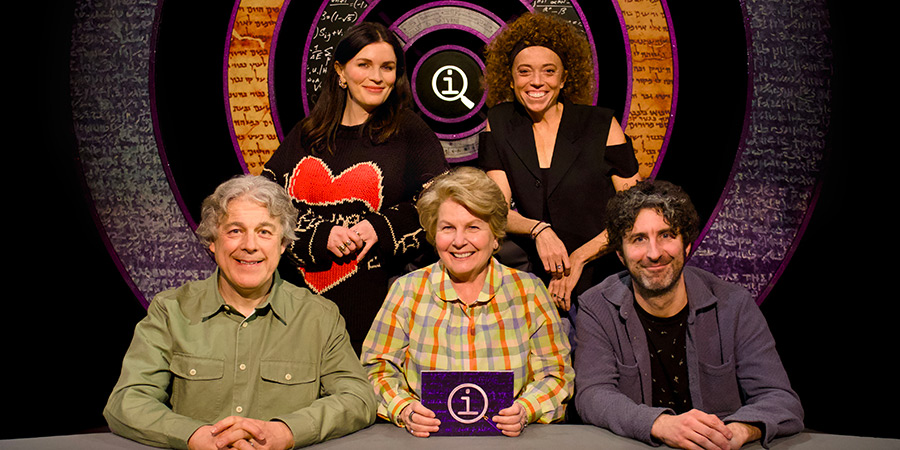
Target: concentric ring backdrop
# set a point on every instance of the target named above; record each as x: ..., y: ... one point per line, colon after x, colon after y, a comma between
x: 170, y: 98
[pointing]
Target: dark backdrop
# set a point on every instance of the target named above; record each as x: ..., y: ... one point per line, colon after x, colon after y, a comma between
x: 832, y: 312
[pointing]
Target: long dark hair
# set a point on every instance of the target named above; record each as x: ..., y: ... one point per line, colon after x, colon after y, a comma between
x: 318, y: 130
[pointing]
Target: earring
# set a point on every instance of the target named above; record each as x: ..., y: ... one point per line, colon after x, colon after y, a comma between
x: 342, y: 83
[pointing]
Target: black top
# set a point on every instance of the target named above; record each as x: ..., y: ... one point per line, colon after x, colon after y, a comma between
x: 578, y: 183
x: 666, y: 341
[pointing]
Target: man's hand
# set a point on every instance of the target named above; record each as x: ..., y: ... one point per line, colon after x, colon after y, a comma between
x: 743, y: 433
x: 692, y: 430
x: 420, y: 421
x: 202, y: 439
x: 242, y: 433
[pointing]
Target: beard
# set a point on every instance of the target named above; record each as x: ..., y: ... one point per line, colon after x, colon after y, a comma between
x: 657, y: 284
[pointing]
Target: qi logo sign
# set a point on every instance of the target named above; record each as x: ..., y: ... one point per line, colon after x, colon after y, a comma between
x: 462, y: 395
x: 466, y: 401
x: 446, y: 84
x: 449, y: 94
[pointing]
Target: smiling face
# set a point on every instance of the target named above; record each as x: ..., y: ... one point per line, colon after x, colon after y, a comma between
x: 370, y: 77
x: 247, y: 248
x: 654, y: 254
x: 464, y: 242
x: 537, y: 78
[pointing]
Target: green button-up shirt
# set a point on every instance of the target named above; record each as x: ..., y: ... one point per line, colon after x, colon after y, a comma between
x: 194, y: 360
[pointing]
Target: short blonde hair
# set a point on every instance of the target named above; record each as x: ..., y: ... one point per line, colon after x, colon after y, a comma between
x: 473, y: 190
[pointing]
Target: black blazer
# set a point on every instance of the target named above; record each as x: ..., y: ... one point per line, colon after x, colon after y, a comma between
x: 578, y: 183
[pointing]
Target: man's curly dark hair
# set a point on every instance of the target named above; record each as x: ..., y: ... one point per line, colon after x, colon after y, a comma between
x: 667, y: 199
x: 537, y: 29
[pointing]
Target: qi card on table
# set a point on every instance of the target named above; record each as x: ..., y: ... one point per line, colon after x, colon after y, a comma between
x: 465, y: 401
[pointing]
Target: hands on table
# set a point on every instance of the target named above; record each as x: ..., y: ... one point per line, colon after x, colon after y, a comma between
x: 696, y: 429
x: 242, y: 433
x: 421, y: 421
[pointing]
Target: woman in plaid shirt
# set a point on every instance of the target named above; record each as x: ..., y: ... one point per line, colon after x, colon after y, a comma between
x: 468, y: 312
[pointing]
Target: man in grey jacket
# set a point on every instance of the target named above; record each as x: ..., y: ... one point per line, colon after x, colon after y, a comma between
x: 672, y: 354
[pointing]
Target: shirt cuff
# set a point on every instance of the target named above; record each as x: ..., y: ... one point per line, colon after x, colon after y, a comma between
x: 179, y: 432
x: 395, y: 408
x: 532, y: 413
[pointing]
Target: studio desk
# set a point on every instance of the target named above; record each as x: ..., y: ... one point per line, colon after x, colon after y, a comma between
x: 539, y: 437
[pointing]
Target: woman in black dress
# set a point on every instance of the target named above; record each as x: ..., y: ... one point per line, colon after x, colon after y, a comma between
x: 557, y: 159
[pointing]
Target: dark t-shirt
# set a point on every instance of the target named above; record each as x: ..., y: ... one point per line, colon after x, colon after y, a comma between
x: 666, y: 340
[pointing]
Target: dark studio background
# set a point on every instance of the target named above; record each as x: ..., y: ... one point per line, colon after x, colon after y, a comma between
x: 72, y: 315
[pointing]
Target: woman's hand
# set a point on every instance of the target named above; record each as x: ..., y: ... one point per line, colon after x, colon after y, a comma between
x: 366, y: 232
x: 552, y: 251
x: 511, y: 421
x: 420, y: 421
x: 560, y: 289
x: 343, y: 241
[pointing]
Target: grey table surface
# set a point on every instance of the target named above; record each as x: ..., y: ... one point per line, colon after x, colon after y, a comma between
x: 546, y: 437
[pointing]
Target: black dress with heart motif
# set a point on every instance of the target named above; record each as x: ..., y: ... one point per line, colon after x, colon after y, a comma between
x: 360, y: 181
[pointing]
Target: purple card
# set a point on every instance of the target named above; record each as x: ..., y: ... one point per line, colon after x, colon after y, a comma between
x: 465, y: 401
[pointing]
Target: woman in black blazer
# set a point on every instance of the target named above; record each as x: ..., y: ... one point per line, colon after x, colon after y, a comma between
x: 556, y: 159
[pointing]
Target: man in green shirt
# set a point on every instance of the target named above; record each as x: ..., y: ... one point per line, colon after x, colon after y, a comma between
x: 241, y: 359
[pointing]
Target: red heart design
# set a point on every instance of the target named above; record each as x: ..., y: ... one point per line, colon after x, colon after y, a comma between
x: 313, y: 183
x: 322, y: 280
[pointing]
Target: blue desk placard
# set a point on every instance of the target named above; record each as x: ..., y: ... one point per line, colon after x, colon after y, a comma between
x: 465, y: 401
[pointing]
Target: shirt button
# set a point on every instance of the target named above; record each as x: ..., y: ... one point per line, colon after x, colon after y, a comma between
x: 239, y: 409
x: 244, y: 325
x: 537, y: 183
x: 193, y: 372
x: 243, y: 367
x: 288, y: 377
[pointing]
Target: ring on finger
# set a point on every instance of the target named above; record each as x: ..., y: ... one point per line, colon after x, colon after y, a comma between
x: 341, y: 247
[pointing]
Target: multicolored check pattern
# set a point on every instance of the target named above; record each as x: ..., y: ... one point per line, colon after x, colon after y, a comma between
x: 513, y: 325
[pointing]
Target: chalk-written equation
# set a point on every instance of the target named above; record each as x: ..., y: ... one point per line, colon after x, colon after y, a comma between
x: 652, y: 78
x: 336, y: 18
x: 561, y: 8
x: 248, y: 87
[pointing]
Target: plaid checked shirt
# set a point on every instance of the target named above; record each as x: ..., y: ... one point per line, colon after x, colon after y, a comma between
x: 513, y: 325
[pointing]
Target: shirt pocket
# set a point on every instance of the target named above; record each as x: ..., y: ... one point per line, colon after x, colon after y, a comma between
x: 719, y: 388
x: 630, y: 381
x: 290, y: 385
x: 198, y: 389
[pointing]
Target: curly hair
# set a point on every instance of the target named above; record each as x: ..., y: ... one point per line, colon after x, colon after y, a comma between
x: 667, y: 199
x: 537, y: 29
x: 471, y: 188
x: 256, y: 188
